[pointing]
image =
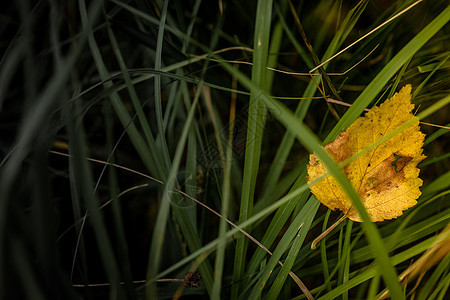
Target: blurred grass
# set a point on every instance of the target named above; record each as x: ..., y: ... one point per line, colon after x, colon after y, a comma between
x: 142, y: 84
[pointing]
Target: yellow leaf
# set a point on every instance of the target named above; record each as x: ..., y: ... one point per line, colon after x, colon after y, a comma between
x: 386, y: 177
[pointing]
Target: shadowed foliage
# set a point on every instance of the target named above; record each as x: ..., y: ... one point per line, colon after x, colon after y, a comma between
x: 158, y: 149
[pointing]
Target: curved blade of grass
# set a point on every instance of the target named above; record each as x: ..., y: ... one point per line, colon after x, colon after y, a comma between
x: 302, y: 108
x: 310, y: 142
x: 288, y: 140
x: 277, y: 164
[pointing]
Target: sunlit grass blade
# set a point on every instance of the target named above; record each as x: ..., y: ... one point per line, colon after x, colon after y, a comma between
x: 310, y: 141
x: 278, y: 221
x: 256, y: 119
x: 288, y: 140
x: 302, y: 221
x: 302, y: 108
x: 306, y: 215
x: 371, y: 271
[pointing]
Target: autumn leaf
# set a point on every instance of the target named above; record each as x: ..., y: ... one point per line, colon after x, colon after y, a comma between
x: 385, y: 177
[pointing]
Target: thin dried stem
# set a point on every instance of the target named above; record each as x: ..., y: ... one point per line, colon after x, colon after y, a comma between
x: 326, y: 232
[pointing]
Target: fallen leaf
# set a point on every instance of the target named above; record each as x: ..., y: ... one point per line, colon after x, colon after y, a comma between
x: 385, y: 177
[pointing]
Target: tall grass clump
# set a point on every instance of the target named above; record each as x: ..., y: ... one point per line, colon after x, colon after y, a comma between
x: 158, y: 149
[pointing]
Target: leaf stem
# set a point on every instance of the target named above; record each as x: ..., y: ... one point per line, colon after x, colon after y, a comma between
x: 326, y: 232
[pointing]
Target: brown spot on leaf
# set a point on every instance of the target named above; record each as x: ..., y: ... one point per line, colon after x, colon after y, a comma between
x: 336, y: 149
x: 386, y: 175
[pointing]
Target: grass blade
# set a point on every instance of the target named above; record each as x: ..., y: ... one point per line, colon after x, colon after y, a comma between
x: 256, y: 118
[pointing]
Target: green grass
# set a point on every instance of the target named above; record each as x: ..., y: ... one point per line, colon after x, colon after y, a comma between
x: 146, y: 86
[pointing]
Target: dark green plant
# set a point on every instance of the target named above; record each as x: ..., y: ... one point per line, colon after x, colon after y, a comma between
x: 129, y: 127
